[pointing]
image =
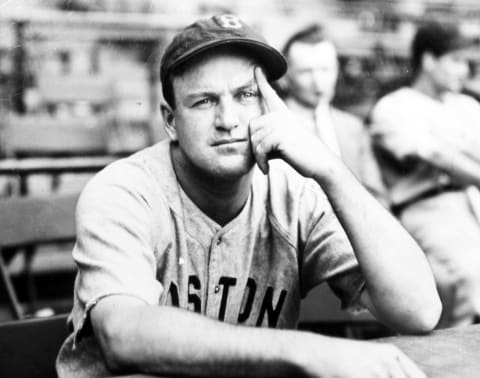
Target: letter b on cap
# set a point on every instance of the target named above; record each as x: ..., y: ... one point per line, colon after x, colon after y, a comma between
x: 228, y: 21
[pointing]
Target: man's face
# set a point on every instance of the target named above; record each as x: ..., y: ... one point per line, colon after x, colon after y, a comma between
x: 215, y: 100
x: 450, y: 71
x: 313, y: 72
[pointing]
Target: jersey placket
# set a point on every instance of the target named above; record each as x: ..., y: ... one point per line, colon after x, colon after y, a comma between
x: 214, y: 291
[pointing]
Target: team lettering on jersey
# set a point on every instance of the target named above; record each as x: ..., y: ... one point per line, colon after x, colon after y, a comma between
x: 268, y: 307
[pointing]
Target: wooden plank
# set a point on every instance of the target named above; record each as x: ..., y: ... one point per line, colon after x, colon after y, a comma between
x: 64, y: 89
x: 29, y: 220
x: 446, y: 353
x: 32, y: 136
x: 54, y: 165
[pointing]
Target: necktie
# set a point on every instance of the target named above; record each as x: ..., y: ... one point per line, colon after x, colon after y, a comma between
x: 325, y: 128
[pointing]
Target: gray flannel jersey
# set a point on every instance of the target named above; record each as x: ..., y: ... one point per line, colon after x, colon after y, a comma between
x: 139, y: 234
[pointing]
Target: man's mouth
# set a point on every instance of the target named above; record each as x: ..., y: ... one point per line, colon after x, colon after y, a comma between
x: 225, y: 141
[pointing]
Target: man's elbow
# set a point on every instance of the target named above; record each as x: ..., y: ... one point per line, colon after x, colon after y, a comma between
x: 115, y: 346
x: 426, y: 317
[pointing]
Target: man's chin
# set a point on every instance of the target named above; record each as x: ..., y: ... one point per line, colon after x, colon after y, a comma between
x: 235, y: 172
x: 455, y: 87
x: 310, y: 102
x: 235, y: 169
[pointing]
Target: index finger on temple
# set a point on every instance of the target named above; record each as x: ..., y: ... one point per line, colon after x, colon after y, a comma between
x: 270, y: 97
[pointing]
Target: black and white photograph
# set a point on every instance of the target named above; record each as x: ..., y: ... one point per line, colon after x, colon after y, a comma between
x: 240, y: 188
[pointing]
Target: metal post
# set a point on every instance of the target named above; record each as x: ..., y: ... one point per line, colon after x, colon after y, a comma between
x: 153, y: 64
x: 19, y: 72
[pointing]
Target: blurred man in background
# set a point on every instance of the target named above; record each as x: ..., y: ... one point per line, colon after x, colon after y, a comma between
x: 310, y: 85
x: 427, y: 137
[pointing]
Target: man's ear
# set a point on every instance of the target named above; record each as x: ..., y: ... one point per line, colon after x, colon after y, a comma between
x: 169, y: 121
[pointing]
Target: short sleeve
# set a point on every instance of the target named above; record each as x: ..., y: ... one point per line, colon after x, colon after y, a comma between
x: 327, y: 254
x: 393, y: 130
x: 466, y: 111
x: 115, y: 246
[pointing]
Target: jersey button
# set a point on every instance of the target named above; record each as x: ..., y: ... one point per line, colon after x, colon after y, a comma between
x: 219, y: 240
x: 217, y: 289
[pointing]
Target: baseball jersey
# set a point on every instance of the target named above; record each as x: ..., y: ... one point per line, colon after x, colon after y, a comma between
x: 404, y: 120
x: 139, y: 234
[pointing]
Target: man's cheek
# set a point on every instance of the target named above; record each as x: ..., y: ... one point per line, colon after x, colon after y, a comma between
x: 250, y: 146
x: 256, y: 111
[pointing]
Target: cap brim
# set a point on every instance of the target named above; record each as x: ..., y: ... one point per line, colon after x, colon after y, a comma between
x: 274, y: 63
x: 463, y: 43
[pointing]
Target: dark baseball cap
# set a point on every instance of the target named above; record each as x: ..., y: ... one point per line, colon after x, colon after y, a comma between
x: 438, y: 38
x: 216, y: 31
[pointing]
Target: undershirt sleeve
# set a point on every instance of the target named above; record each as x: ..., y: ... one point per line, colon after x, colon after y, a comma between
x: 394, y: 131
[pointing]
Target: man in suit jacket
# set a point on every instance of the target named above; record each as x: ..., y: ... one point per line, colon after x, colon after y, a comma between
x: 310, y: 86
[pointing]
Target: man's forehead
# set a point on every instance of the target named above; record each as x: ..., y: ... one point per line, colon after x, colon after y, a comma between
x: 218, y: 72
x: 322, y: 49
x: 305, y: 55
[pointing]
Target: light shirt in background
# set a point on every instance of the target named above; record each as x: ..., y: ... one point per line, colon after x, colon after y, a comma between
x: 405, y: 121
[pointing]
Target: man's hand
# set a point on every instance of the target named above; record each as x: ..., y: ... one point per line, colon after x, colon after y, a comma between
x: 279, y: 134
x: 359, y: 359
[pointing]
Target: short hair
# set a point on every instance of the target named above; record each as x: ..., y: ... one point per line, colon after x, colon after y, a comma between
x: 167, y: 84
x: 435, y: 38
x: 311, y: 34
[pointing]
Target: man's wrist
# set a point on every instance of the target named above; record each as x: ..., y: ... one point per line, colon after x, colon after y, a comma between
x: 294, y: 352
x: 332, y: 174
x: 306, y: 351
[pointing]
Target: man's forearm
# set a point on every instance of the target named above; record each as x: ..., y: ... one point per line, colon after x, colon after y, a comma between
x: 158, y: 340
x: 398, y: 278
x: 171, y: 341
x: 462, y: 167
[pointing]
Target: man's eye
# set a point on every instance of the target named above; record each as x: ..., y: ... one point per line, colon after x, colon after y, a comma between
x: 246, y: 95
x: 203, y: 102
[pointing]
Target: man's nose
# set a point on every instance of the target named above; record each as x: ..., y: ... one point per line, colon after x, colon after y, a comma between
x: 318, y: 79
x: 226, y: 116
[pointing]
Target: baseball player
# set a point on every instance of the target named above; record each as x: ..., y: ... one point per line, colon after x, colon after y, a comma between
x: 428, y: 144
x: 194, y: 253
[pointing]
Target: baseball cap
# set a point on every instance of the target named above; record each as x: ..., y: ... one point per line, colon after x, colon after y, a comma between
x: 226, y: 29
x: 439, y: 38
